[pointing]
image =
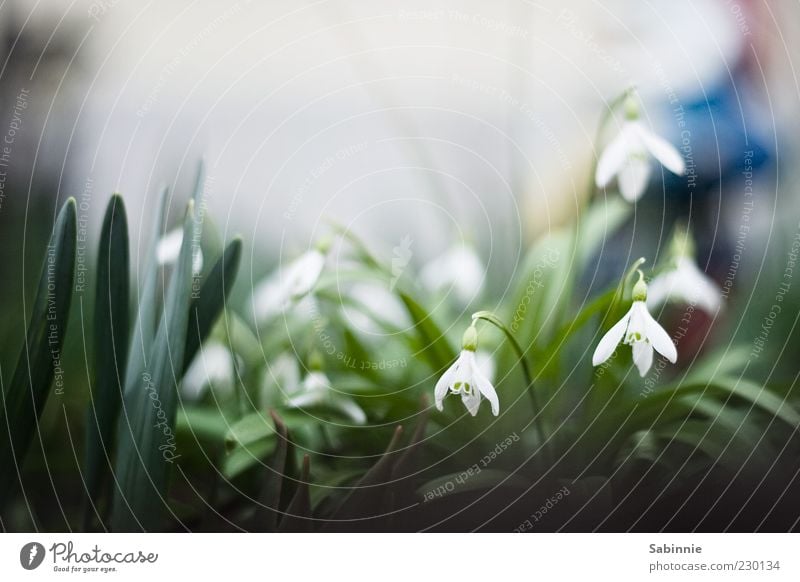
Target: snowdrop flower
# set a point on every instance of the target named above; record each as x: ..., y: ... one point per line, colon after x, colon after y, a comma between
x: 375, y: 304
x: 464, y: 377
x: 458, y: 271
x: 169, y: 248
x: 628, y: 155
x: 316, y: 390
x: 281, y: 378
x: 639, y: 330
x: 287, y: 285
x: 213, y: 366
x: 684, y: 282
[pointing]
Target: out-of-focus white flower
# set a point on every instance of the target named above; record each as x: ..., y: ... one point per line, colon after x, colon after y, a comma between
x: 627, y: 156
x: 458, y: 271
x: 213, y: 366
x: 638, y: 329
x: 464, y: 377
x: 169, y: 248
x: 315, y: 390
x: 288, y: 285
x: 374, y: 303
x: 281, y: 379
x: 685, y: 283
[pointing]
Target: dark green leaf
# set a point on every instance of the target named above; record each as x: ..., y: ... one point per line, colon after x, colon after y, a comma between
x: 25, y: 396
x: 111, y: 335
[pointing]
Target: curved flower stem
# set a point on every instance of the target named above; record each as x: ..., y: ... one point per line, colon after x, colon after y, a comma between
x: 490, y: 317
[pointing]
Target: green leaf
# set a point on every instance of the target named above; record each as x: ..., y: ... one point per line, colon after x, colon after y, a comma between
x: 603, y: 218
x: 247, y: 430
x: 435, y: 346
x: 210, y: 299
x: 144, y: 329
x: 242, y: 459
x: 25, y: 396
x: 147, y: 447
x: 202, y: 423
x: 111, y: 335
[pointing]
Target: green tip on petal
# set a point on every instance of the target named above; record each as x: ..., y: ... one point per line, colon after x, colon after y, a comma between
x: 470, y: 339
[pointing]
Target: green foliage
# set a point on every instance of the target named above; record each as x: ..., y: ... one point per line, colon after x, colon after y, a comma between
x: 25, y: 395
x: 111, y: 335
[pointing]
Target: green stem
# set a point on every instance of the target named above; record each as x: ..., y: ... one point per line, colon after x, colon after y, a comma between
x: 490, y: 317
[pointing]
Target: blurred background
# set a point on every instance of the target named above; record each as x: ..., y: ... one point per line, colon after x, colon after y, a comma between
x: 438, y: 121
x: 429, y: 123
x: 417, y: 124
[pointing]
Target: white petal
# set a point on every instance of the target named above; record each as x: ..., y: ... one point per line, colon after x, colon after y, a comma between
x: 312, y: 398
x: 612, y: 159
x: 269, y: 299
x: 316, y: 382
x: 213, y: 366
x: 642, y: 356
x: 458, y: 271
x: 485, y: 387
x: 662, y: 150
x: 472, y: 401
x: 610, y: 340
x: 660, y: 339
x: 660, y: 289
x: 169, y: 247
x: 485, y: 363
x: 281, y: 377
x: 700, y: 289
x: 444, y: 383
x: 301, y: 276
x: 374, y: 307
x: 637, y: 328
x: 633, y: 177
x: 352, y: 410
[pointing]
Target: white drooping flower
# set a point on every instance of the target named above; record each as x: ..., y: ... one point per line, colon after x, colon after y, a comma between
x: 374, y: 304
x: 281, y: 379
x: 685, y: 283
x: 169, y: 248
x: 458, y: 271
x: 287, y: 285
x: 316, y: 390
x: 465, y: 377
x: 627, y: 156
x: 641, y: 331
x: 213, y: 366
